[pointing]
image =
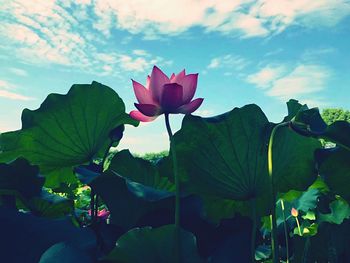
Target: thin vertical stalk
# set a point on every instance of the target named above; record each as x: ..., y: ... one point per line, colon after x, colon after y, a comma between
x: 177, y: 191
x: 274, y: 240
x: 92, y: 205
x: 285, y: 230
x: 253, y: 238
x: 298, y: 225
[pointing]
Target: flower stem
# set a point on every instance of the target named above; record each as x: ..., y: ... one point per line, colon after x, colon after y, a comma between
x: 177, y: 191
x: 253, y: 239
x: 274, y: 241
x: 299, y: 229
x: 92, y: 205
x: 285, y: 230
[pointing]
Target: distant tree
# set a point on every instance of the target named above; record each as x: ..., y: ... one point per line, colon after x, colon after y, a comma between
x: 153, y: 157
x: 331, y: 115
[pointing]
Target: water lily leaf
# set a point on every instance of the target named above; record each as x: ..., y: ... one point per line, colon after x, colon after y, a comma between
x: 335, y: 168
x: 22, y: 177
x: 87, y: 173
x: 63, y: 252
x: 66, y: 131
x: 226, y: 155
x: 306, y: 229
x: 294, y: 165
x: 51, y: 205
x: 310, y: 123
x: 262, y: 252
x: 153, y: 245
x: 217, y: 209
x: 140, y: 171
x: 340, y: 210
x: 125, y: 206
x: 293, y: 108
x: 28, y: 236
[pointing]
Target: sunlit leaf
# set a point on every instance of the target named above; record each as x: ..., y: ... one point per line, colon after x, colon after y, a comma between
x: 67, y: 130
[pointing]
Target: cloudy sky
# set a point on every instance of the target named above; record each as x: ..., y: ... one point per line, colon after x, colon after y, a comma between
x: 262, y: 52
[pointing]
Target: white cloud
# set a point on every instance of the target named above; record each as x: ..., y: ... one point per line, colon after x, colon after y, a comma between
x: 309, y: 13
x: 232, y: 62
x: 49, y: 33
x: 273, y: 52
x: 140, y: 52
x: 6, y: 85
x: 316, y: 53
x: 18, y: 72
x: 301, y: 82
x: 6, y: 91
x: 246, y: 18
x: 266, y: 76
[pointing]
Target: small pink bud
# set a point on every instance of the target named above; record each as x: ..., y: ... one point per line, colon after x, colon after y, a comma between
x: 294, y: 212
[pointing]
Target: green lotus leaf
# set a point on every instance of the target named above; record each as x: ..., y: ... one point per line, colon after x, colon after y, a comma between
x: 335, y: 168
x: 340, y: 210
x: 67, y: 130
x: 64, y: 252
x: 51, y: 205
x: 153, y: 245
x: 308, y: 122
x: 22, y: 177
x: 217, y: 208
x: 140, y: 171
x: 29, y: 236
x: 294, y: 164
x: 226, y: 157
x: 125, y: 206
x: 293, y: 108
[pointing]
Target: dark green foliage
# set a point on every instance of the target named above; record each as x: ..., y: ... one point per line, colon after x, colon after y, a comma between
x: 153, y: 246
x: 223, y: 167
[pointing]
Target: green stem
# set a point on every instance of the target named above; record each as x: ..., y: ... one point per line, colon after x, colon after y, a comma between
x: 274, y: 241
x: 177, y: 191
x: 299, y: 230
x: 92, y: 205
x: 253, y: 239
x: 285, y: 230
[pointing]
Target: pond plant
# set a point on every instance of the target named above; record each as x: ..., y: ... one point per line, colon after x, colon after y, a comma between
x: 234, y: 188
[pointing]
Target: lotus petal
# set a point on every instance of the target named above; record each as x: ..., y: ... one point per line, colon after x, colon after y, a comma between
x: 142, y: 94
x: 149, y: 110
x: 157, y: 81
x: 148, y: 80
x: 178, y: 78
x: 190, y: 107
x: 171, y: 97
x: 189, y: 84
x: 136, y: 115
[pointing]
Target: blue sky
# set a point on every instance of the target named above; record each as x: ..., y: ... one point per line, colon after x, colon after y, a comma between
x: 262, y: 52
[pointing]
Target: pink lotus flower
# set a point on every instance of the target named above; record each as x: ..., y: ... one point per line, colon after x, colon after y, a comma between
x: 102, y: 214
x: 165, y: 95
